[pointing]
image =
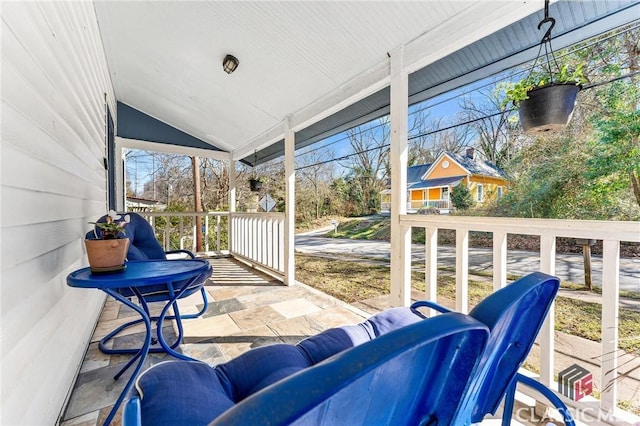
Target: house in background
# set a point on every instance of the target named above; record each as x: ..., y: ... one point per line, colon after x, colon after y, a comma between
x: 430, y: 185
x: 136, y: 204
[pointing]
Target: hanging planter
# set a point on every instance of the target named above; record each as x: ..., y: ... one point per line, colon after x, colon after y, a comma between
x: 547, y: 97
x: 548, y: 108
x: 255, y: 185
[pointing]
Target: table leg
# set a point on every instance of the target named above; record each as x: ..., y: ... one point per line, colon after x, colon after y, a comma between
x: 163, y: 314
x: 142, y: 353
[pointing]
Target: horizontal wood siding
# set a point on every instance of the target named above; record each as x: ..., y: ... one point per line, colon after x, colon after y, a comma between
x: 54, y: 81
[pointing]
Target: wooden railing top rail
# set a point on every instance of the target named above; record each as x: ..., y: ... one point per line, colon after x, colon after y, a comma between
x: 592, y: 229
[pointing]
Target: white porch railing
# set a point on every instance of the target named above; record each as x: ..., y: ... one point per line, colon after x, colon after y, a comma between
x: 259, y: 239
x: 415, y: 205
x: 439, y: 204
x: 612, y: 233
x: 177, y: 230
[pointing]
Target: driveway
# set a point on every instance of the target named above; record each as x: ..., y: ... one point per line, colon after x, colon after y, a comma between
x: 569, y: 267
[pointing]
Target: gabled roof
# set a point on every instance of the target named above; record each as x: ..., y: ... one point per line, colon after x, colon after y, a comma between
x: 477, y: 166
x: 415, y: 173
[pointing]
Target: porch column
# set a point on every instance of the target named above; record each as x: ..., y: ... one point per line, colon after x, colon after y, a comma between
x: 400, y: 235
x: 120, y: 170
x: 290, y: 203
x: 232, y: 203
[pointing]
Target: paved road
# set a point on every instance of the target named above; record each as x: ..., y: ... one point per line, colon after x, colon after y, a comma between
x: 569, y: 267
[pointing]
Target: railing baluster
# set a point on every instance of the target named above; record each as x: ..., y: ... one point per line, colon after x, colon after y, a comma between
x: 499, y: 260
x: 431, y: 264
x: 610, y: 301
x: 548, y: 266
x: 462, y: 270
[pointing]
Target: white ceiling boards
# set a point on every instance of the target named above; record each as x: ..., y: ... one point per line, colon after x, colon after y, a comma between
x: 300, y: 59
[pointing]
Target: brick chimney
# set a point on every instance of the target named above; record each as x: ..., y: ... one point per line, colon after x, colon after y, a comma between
x: 471, y: 152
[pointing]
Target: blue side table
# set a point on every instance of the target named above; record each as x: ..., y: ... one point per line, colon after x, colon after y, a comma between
x: 177, y: 275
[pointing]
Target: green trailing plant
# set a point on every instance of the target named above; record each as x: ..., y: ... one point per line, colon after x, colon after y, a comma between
x: 113, y: 226
x: 517, y: 92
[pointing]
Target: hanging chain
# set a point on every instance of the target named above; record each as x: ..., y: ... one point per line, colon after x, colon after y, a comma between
x: 546, y: 43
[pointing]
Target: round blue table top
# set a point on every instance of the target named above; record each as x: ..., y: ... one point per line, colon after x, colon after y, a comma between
x: 139, y: 273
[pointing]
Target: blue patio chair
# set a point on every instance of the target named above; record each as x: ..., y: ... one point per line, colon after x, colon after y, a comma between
x: 143, y: 245
x: 415, y: 374
x: 514, y: 315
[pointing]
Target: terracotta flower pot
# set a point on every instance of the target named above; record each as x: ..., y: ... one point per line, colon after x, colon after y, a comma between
x: 107, y: 255
x: 549, y: 108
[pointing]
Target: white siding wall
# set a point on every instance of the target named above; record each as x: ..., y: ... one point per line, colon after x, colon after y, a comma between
x: 54, y: 80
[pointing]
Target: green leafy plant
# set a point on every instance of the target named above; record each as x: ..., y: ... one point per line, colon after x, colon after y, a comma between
x: 517, y: 92
x: 461, y: 197
x: 113, y: 227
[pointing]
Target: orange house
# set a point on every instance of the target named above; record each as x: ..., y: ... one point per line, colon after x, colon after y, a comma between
x: 429, y: 185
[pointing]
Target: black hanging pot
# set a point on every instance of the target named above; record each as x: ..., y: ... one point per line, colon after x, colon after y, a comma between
x: 549, y: 108
x: 255, y: 185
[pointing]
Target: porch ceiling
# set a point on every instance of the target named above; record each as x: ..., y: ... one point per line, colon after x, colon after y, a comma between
x: 303, y: 60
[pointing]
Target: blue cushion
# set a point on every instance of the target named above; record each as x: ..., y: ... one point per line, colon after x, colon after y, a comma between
x: 179, y: 393
x: 260, y: 367
x: 390, y: 320
x: 328, y: 343
x: 191, y: 393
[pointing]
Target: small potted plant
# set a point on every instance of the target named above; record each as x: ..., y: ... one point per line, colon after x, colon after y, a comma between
x: 546, y: 100
x: 108, y: 250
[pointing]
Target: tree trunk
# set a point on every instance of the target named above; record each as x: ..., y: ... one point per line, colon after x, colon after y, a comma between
x: 635, y: 182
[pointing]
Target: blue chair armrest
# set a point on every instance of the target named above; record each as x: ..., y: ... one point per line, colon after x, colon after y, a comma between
x: 131, y: 414
x: 429, y: 304
x: 550, y: 395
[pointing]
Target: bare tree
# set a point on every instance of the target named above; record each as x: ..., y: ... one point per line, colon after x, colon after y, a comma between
x: 369, y: 161
x: 315, y: 176
x: 489, y: 122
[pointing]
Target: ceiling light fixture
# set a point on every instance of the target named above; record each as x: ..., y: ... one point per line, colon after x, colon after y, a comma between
x: 230, y: 63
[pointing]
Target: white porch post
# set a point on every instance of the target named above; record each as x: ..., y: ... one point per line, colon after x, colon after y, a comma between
x: 232, y: 202
x: 400, y: 235
x: 290, y: 204
x: 120, y: 177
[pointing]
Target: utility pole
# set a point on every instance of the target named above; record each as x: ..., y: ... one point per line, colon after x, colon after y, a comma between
x: 195, y: 162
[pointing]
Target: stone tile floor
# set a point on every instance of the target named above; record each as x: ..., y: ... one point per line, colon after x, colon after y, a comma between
x: 246, y: 309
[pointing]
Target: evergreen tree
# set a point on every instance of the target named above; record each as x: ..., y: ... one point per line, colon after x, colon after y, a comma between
x: 461, y: 197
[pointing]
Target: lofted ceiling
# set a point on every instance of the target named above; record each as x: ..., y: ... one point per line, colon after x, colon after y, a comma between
x: 308, y: 61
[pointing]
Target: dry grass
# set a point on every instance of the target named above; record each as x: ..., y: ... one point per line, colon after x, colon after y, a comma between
x: 359, y: 279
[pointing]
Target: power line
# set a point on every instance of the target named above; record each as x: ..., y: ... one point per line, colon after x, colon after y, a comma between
x: 464, y: 123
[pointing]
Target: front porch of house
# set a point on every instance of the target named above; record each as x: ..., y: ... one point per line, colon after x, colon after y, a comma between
x: 250, y: 308
x: 71, y: 70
